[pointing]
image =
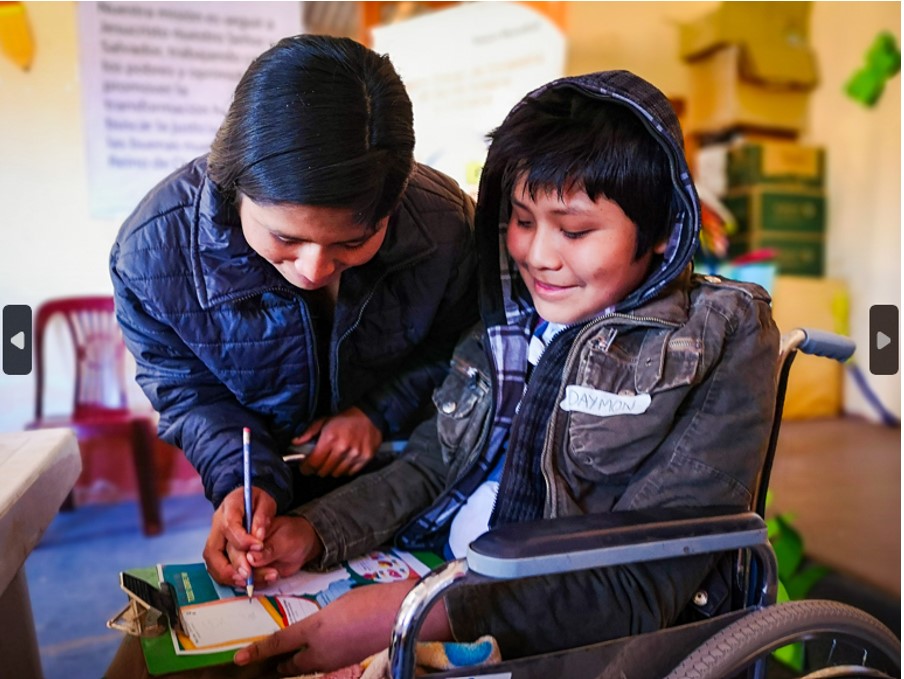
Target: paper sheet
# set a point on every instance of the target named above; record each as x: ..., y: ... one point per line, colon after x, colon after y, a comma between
x: 233, y: 622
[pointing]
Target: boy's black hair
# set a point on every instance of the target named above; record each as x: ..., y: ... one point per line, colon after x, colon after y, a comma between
x: 317, y: 120
x: 565, y: 139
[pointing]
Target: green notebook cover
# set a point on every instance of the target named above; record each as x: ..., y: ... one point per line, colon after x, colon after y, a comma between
x: 193, y: 585
x: 159, y: 653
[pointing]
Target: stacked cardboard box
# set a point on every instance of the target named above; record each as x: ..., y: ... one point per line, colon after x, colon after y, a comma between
x: 750, y: 68
x: 751, y: 74
x: 775, y: 191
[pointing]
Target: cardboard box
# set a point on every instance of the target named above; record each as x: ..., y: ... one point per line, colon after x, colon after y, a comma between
x: 788, y: 220
x: 783, y: 23
x: 815, y: 387
x: 776, y: 162
x: 751, y: 86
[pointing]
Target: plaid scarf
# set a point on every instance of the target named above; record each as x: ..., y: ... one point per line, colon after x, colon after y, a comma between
x: 522, y: 491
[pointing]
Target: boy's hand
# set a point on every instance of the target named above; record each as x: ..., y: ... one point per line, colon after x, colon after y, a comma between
x: 228, y: 543
x: 291, y: 543
x: 345, y: 443
x: 356, y: 625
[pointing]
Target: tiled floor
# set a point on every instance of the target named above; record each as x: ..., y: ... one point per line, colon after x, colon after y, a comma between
x: 73, y: 576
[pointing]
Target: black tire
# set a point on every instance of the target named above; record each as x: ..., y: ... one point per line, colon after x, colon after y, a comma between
x: 755, y: 635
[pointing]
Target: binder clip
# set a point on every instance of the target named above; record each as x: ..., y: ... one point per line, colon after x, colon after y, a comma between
x: 148, y: 610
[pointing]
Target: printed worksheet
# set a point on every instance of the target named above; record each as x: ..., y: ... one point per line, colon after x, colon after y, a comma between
x: 217, y: 618
x: 228, y: 622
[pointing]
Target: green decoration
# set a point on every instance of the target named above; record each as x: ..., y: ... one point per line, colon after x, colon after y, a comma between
x: 883, y: 61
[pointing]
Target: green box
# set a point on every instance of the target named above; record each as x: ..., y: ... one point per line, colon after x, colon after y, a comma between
x: 795, y: 254
x: 791, y: 222
x: 772, y: 208
x: 776, y: 163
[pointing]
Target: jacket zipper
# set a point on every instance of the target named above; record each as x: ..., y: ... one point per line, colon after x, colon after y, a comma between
x: 429, y: 515
x: 551, y: 432
x: 334, y: 355
x: 306, y: 322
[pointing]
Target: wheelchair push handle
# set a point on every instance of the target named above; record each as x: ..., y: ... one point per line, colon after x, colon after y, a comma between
x: 821, y: 343
x: 828, y: 344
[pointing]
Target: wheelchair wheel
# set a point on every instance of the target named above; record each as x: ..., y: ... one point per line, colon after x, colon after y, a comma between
x: 840, y: 641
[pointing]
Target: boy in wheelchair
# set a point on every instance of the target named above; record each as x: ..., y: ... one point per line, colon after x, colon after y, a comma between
x: 606, y: 376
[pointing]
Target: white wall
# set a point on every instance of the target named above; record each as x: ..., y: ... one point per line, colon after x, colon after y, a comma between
x: 864, y: 176
x: 638, y: 36
x: 49, y: 247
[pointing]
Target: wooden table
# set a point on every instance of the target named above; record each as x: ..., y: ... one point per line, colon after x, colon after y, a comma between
x: 37, y: 471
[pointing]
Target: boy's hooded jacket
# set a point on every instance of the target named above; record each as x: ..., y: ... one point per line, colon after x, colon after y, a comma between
x: 222, y: 340
x: 703, y: 348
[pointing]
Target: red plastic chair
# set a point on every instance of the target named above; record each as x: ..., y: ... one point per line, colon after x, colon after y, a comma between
x: 100, y: 407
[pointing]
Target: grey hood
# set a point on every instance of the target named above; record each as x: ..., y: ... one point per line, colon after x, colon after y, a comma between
x: 499, y: 302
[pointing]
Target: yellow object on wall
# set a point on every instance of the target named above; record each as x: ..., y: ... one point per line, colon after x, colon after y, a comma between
x: 16, y: 42
x: 815, y: 387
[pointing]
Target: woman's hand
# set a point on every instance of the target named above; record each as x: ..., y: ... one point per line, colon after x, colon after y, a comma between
x: 345, y: 443
x: 228, y: 544
x: 290, y: 544
x: 355, y: 626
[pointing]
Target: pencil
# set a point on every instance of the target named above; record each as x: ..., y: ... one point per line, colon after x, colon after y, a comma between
x: 246, y: 460
x: 302, y: 452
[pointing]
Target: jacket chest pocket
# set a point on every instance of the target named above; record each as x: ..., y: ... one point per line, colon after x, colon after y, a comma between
x: 462, y: 406
x: 613, y: 442
x: 666, y: 361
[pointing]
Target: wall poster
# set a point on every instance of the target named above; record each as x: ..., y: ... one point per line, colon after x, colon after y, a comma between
x: 157, y: 78
x: 465, y: 67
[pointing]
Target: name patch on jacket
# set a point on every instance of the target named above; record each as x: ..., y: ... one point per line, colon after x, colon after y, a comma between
x: 603, y: 403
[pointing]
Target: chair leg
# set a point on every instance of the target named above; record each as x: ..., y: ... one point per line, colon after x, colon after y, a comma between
x: 143, y: 451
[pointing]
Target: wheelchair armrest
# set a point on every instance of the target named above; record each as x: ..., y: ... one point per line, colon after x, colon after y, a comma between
x: 597, y: 540
x: 577, y: 543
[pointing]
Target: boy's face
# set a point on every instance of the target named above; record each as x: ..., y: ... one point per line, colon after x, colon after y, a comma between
x: 575, y: 255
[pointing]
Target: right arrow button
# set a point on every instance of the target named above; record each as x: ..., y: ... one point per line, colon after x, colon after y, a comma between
x: 883, y: 350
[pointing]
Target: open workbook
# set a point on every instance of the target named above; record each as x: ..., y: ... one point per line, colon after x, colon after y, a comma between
x: 214, y: 620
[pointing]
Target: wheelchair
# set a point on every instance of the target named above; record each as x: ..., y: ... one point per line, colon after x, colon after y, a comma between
x: 733, y: 640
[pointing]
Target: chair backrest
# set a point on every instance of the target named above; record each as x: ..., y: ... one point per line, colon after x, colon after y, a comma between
x: 99, y: 382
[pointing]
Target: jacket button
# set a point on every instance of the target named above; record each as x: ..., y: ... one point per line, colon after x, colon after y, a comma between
x: 448, y: 407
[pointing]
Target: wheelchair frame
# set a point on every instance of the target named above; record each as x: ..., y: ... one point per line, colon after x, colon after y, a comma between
x: 592, y: 541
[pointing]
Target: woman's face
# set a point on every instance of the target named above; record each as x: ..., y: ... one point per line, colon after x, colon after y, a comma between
x: 309, y: 245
